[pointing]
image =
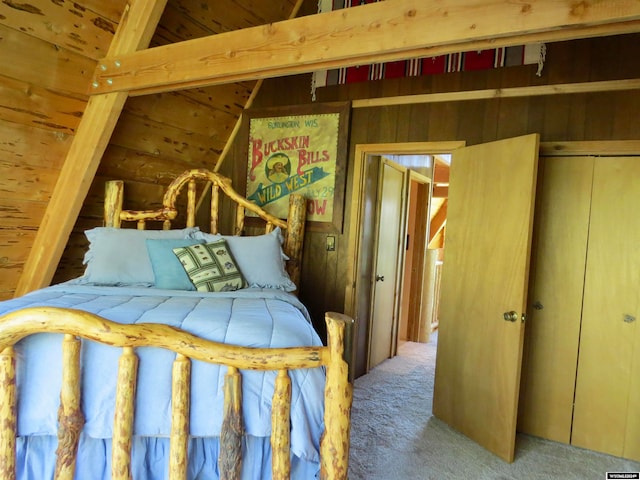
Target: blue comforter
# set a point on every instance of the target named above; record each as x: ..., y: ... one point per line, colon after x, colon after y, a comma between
x: 249, y: 317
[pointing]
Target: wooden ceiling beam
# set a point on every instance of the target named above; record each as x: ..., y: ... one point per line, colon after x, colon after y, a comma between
x: 378, y: 32
x: 438, y: 221
x: 440, y: 191
x: 617, y: 28
x: 135, y: 30
x: 441, y: 173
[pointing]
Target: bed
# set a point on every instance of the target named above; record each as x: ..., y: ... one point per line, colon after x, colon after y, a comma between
x: 178, y: 354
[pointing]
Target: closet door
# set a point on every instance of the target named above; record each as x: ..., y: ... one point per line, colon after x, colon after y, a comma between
x: 552, y: 332
x: 606, y: 415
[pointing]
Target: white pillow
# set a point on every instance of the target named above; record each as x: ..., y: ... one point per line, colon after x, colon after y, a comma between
x: 118, y: 256
x: 260, y: 258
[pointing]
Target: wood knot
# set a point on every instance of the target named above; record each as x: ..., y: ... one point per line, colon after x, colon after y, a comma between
x: 69, y: 428
x: 579, y: 9
x: 24, y: 7
x: 411, y: 13
x: 105, y: 25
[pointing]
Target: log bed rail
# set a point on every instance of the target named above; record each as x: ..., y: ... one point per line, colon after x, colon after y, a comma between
x: 76, y: 324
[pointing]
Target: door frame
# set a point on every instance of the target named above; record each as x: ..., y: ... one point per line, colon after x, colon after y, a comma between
x: 354, y: 286
x: 592, y: 147
x: 362, y: 151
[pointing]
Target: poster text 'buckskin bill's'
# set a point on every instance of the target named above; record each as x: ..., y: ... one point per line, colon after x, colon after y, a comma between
x: 261, y: 150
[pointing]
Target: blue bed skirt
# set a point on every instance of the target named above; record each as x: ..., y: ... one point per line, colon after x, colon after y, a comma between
x: 36, y: 459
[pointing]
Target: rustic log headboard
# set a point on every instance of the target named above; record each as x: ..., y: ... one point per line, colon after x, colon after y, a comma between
x: 292, y: 228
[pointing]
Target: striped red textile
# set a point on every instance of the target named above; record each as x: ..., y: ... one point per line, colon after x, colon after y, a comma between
x: 455, y: 62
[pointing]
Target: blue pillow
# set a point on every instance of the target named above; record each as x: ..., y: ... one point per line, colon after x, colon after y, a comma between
x: 118, y: 256
x: 167, y: 269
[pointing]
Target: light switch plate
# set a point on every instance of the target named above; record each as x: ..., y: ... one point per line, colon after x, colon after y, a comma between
x: 331, y: 243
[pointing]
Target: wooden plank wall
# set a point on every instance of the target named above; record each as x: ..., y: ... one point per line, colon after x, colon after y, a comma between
x: 575, y: 117
x: 49, y: 52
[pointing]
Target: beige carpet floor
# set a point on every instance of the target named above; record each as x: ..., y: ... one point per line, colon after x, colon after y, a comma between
x: 395, y: 436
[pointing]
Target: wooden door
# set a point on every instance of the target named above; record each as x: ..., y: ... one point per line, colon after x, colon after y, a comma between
x: 606, y: 417
x: 384, y: 321
x: 561, y: 230
x: 485, y: 275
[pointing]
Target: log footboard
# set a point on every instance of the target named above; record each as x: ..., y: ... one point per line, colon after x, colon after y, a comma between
x: 75, y: 324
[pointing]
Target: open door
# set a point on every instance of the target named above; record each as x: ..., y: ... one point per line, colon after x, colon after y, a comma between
x: 484, y: 289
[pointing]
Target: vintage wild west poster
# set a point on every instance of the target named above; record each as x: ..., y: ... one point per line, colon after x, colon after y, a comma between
x: 290, y: 154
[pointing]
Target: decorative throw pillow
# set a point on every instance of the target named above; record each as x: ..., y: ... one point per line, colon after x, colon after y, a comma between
x: 260, y: 258
x: 167, y: 269
x: 211, y: 267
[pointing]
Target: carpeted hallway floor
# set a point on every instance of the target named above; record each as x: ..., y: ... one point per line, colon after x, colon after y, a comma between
x: 394, y: 435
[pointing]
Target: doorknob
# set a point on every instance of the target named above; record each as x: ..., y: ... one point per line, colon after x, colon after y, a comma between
x: 379, y: 278
x: 510, y: 316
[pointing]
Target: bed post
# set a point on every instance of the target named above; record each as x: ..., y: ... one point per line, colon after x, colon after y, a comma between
x: 123, y: 418
x: 230, y: 459
x: 8, y: 414
x: 338, y: 393
x: 295, y: 236
x: 180, y: 408
x: 113, y: 196
x: 70, y: 416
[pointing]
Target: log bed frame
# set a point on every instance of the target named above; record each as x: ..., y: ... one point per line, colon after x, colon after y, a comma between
x: 76, y: 324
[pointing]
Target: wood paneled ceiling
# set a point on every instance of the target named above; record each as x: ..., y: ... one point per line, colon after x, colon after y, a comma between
x: 191, y: 19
